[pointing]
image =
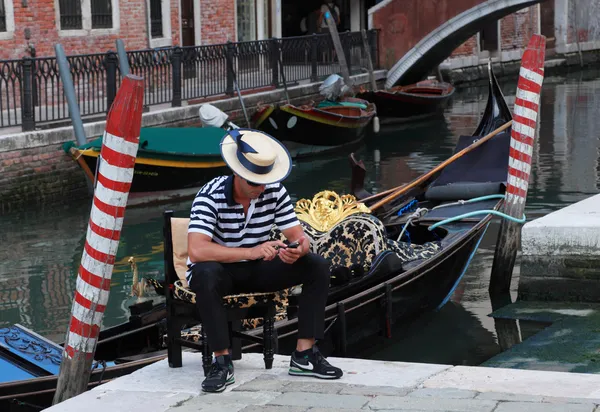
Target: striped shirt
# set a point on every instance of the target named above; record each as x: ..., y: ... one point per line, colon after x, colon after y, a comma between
x: 216, y: 214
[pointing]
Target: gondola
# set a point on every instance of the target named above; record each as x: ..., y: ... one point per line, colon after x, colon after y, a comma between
x: 409, y: 103
x: 317, y: 127
x: 395, y: 288
x: 360, y: 305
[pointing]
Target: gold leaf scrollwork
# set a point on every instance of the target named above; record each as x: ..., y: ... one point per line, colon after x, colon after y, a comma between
x: 327, y: 208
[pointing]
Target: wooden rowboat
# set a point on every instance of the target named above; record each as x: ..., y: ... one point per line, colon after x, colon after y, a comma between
x: 316, y: 128
x: 409, y: 103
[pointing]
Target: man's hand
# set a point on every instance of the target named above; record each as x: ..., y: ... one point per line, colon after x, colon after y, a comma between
x: 290, y: 255
x: 266, y: 251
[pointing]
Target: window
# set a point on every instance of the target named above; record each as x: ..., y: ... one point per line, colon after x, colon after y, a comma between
x: 156, y: 19
x: 2, y: 17
x: 246, y: 20
x: 158, y: 23
x: 70, y: 15
x: 85, y: 17
x: 101, y: 14
x: 7, y: 20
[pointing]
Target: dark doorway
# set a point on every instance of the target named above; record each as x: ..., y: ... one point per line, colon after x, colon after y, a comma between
x: 188, y: 37
x: 294, y: 11
x: 547, y: 23
x: 488, y: 38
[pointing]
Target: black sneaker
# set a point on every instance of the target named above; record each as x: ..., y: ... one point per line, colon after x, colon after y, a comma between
x: 220, y: 375
x: 312, y: 363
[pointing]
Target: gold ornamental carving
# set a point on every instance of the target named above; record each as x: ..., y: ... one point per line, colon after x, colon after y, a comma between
x: 327, y: 208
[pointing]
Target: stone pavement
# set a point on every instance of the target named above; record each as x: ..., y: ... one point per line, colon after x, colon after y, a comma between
x: 366, y: 386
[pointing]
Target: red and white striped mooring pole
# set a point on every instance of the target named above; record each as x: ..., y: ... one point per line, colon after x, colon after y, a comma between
x: 522, y: 137
x: 118, y: 153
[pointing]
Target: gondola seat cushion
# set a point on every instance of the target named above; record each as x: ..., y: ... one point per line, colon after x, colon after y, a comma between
x: 408, y: 252
x: 356, y: 241
x: 353, y: 243
x: 241, y: 301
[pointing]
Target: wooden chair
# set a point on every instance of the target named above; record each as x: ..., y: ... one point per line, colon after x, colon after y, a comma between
x: 182, y: 310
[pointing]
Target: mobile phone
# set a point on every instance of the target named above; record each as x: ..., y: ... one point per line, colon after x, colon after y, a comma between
x: 293, y: 245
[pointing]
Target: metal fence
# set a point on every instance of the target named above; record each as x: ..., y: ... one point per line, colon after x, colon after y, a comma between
x: 31, y: 93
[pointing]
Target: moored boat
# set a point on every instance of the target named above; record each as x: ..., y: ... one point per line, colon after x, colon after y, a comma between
x: 426, y: 243
x: 411, y: 102
x: 29, y: 363
x: 317, y: 128
x: 167, y: 158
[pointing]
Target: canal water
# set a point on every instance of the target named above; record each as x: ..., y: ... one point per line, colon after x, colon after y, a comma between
x: 40, y: 251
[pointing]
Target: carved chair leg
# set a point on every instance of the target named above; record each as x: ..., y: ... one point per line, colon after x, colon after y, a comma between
x: 236, y: 342
x: 268, y: 327
x: 206, y: 353
x: 173, y: 341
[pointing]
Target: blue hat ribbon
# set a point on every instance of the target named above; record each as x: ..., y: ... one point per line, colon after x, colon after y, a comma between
x: 243, y: 147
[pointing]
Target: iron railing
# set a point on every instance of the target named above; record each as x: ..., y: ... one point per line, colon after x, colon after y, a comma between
x: 31, y: 93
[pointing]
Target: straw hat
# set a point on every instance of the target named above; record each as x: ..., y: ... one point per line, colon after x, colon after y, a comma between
x: 256, y: 156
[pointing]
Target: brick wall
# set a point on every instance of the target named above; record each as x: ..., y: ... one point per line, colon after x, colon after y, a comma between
x: 218, y: 21
x: 517, y: 28
x: 40, y: 18
x: 38, y: 176
x: 175, y: 25
x: 403, y: 23
x: 468, y: 48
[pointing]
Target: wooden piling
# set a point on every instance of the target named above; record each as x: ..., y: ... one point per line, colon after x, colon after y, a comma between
x: 339, y: 50
x: 118, y: 153
x: 523, y: 134
x: 366, y: 48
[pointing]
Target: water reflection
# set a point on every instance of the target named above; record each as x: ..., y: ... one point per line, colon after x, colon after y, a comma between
x: 40, y: 252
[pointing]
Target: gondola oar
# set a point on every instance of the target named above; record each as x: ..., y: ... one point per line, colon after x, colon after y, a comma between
x: 282, y: 73
x: 237, y: 88
x: 378, y: 195
x: 405, y: 188
x: 371, y: 74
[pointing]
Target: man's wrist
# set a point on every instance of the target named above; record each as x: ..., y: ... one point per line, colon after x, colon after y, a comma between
x: 247, y: 254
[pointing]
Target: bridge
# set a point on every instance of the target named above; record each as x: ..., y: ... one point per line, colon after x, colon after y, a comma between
x: 439, y: 44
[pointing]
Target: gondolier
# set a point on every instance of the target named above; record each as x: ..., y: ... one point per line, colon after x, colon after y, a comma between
x: 230, y: 252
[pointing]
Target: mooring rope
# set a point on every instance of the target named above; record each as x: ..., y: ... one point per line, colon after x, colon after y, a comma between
x: 479, y: 212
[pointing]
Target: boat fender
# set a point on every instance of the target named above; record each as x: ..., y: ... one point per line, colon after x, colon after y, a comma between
x: 273, y: 123
x: 376, y: 124
x: 292, y: 122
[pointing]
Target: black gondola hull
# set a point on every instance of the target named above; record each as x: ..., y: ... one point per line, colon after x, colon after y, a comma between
x: 314, y: 128
x: 414, y: 292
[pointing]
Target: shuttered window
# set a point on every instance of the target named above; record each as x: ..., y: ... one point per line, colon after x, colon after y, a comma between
x: 102, y: 14
x: 156, y: 19
x: 70, y: 14
x: 2, y: 16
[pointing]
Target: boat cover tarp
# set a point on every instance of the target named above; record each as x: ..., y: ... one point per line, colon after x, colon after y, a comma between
x: 175, y: 140
x: 329, y: 103
x: 482, y: 171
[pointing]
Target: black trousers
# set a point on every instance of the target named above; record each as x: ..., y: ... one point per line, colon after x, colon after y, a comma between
x: 212, y: 280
